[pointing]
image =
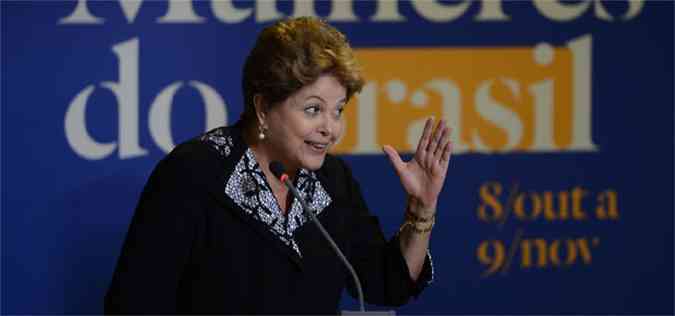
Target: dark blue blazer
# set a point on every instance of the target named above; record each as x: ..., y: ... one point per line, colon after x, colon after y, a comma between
x: 204, y: 240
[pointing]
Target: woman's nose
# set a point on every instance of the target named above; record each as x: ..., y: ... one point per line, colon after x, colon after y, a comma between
x: 326, y: 129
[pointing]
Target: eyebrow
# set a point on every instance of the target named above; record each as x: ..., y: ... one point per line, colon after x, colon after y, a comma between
x: 343, y: 100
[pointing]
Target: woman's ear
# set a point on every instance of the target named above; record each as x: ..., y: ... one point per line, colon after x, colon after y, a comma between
x: 260, y: 109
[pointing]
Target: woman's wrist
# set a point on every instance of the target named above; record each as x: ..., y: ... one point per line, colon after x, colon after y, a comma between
x: 419, y: 209
x: 418, y: 226
x: 418, y: 218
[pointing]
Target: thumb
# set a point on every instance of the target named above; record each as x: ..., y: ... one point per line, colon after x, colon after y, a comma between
x: 394, y: 158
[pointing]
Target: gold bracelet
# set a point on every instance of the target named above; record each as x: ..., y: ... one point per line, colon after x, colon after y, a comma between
x: 409, y: 216
x: 418, y: 230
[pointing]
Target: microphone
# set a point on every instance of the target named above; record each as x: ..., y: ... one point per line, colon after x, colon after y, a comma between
x: 279, y: 171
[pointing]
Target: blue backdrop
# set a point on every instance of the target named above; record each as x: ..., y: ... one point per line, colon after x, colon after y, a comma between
x: 95, y: 93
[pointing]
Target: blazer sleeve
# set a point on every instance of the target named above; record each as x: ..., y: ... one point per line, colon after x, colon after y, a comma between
x: 379, y: 263
x: 160, y: 238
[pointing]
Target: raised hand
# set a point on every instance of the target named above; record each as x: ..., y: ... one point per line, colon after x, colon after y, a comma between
x: 424, y: 175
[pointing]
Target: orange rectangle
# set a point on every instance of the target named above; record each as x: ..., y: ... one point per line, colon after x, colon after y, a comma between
x: 498, y: 99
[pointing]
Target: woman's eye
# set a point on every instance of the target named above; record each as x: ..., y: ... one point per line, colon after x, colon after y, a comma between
x: 312, y: 110
x: 339, y: 111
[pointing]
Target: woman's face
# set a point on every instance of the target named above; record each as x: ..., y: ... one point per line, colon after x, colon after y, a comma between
x: 303, y: 128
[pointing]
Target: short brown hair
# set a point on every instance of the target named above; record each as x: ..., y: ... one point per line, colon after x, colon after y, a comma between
x: 293, y: 53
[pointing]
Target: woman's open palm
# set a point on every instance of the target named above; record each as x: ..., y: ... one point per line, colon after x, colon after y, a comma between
x: 424, y: 175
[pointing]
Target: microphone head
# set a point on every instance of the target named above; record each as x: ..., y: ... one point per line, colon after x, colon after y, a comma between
x: 277, y: 169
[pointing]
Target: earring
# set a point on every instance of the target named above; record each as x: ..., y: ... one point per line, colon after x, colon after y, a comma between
x: 261, y: 132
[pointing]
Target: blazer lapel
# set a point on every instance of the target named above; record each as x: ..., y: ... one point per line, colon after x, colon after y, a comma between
x: 246, y: 193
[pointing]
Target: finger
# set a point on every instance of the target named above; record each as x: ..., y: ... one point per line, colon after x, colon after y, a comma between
x: 447, y: 153
x: 439, y: 157
x: 394, y: 157
x: 435, y: 140
x: 424, y: 139
x: 442, y: 141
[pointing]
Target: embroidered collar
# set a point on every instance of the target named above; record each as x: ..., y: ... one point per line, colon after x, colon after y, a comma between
x: 249, y: 189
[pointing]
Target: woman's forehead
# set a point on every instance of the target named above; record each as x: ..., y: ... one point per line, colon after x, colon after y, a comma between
x: 326, y: 87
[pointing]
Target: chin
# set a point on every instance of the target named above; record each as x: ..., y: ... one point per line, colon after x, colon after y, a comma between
x: 313, y: 163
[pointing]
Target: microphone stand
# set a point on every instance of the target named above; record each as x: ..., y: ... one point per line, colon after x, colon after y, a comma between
x: 337, y: 250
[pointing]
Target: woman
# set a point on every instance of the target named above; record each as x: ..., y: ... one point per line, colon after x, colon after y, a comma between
x: 216, y: 232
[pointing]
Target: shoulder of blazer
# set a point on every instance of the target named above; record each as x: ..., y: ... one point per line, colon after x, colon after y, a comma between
x: 206, y: 160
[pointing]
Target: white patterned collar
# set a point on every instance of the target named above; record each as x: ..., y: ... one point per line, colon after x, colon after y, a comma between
x: 248, y: 188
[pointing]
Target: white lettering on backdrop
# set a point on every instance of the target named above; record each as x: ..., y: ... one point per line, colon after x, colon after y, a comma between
x: 182, y: 11
x: 126, y: 94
